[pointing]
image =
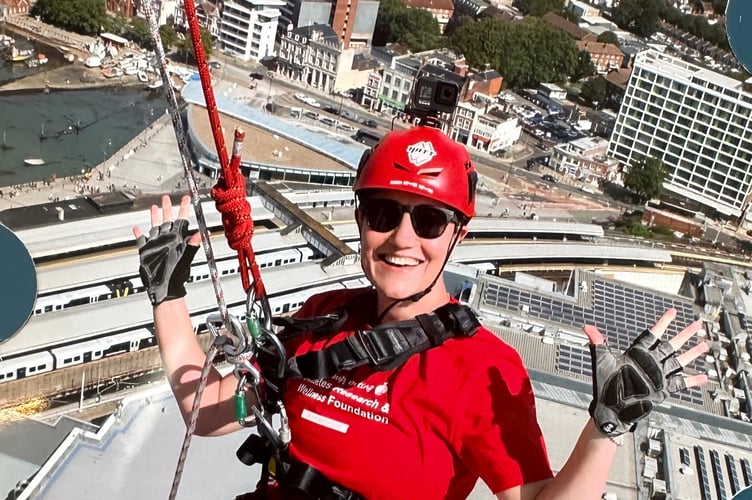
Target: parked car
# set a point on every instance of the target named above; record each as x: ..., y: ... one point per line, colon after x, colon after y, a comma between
x: 328, y: 121
x: 214, y: 64
x: 346, y: 127
x: 548, y: 178
x: 313, y: 102
x: 311, y: 114
x: 301, y: 97
x: 330, y: 109
x: 370, y: 123
x: 256, y: 75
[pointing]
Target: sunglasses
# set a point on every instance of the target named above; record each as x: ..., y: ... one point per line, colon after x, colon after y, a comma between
x: 383, y: 215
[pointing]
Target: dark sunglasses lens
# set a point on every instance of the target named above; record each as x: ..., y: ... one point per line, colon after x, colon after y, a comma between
x: 382, y: 215
x: 430, y: 222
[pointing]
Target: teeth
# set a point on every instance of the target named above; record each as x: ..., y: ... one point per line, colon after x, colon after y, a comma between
x: 401, y: 261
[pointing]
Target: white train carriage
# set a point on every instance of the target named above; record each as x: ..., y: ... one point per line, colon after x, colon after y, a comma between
x: 26, y: 366
x: 91, y: 350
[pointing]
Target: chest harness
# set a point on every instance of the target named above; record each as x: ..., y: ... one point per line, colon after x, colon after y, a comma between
x: 383, y: 348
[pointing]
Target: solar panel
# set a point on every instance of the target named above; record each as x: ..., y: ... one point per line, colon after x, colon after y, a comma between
x: 720, y: 483
x: 733, y: 474
x: 746, y: 471
x: 702, y: 473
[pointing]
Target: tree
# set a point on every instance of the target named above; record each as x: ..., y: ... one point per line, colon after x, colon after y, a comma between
x: 138, y: 31
x: 415, y: 28
x: 645, y: 178
x: 168, y: 36
x: 595, y: 91
x: 185, y: 45
x: 641, y: 17
x: 608, y: 37
x: 539, y: 8
x: 526, y: 53
x: 82, y: 16
x: 584, y: 67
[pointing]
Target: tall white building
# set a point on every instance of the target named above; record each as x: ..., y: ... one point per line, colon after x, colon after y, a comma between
x: 697, y: 122
x: 249, y: 27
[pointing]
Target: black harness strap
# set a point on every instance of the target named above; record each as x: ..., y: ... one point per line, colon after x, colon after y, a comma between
x: 387, y: 346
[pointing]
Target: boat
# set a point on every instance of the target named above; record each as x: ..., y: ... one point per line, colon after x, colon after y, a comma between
x: 19, y: 55
x: 142, y: 76
x: 93, y: 62
x: 42, y: 59
x: 33, y: 162
x: 112, y: 72
x: 156, y: 84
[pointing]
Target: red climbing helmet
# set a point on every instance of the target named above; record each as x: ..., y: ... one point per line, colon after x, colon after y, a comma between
x: 424, y: 161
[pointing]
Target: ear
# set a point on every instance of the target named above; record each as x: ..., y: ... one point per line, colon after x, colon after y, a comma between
x: 462, y: 234
x: 357, y: 219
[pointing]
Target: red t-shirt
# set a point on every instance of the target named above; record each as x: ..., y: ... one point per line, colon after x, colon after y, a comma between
x: 428, y: 429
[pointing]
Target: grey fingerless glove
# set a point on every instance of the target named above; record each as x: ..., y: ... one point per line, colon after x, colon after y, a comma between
x: 166, y: 260
x: 626, y: 387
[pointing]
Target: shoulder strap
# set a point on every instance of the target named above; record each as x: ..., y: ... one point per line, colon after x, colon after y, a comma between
x: 389, y: 345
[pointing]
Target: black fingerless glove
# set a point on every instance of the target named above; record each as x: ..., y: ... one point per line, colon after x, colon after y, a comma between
x: 166, y: 260
x: 627, y: 386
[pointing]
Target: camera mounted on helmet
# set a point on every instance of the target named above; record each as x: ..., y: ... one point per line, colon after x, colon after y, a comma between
x: 432, y: 98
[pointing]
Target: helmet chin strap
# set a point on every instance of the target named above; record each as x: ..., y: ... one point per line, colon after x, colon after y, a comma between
x: 417, y: 296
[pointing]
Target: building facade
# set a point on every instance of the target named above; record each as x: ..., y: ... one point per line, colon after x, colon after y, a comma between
x: 605, y: 56
x: 311, y: 55
x: 698, y: 122
x: 441, y: 10
x: 249, y: 28
x: 585, y: 160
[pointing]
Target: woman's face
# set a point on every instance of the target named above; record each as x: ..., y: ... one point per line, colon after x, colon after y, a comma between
x: 398, y: 262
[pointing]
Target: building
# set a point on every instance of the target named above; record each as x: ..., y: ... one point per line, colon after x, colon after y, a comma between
x: 584, y: 160
x: 484, y: 126
x: 582, y: 9
x: 552, y: 91
x: 127, y: 8
x: 402, y: 71
x: 207, y: 13
x: 697, y: 122
x: 354, y: 21
x: 568, y: 27
x: 311, y: 55
x: 605, y: 56
x: 249, y: 27
x: 441, y: 10
x: 13, y: 8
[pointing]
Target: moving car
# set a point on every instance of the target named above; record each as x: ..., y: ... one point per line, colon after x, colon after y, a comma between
x: 370, y: 123
x: 548, y: 178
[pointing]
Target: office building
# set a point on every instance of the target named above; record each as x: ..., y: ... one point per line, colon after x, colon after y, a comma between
x: 697, y: 122
x: 249, y: 27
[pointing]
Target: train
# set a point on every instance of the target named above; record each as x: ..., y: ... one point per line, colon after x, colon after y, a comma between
x: 113, y: 327
x: 131, y: 283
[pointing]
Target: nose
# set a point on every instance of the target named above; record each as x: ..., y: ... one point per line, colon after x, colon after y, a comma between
x: 404, y: 233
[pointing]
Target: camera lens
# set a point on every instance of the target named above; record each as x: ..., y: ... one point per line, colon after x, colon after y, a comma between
x: 447, y: 93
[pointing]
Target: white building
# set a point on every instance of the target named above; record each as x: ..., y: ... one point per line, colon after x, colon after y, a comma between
x: 484, y: 126
x: 585, y: 160
x: 697, y: 122
x: 249, y: 28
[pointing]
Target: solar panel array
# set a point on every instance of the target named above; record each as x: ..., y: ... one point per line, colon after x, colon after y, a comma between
x: 746, y: 471
x: 720, y: 483
x: 619, y: 311
x: 702, y: 473
x: 733, y: 474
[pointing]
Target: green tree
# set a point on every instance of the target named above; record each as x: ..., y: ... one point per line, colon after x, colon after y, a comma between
x: 595, y: 91
x: 526, y: 53
x: 641, y: 17
x: 584, y: 67
x: 168, y: 35
x: 87, y: 17
x: 645, y: 178
x: 415, y: 28
x: 608, y: 37
x: 539, y: 8
x: 185, y: 46
x: 138, y: 31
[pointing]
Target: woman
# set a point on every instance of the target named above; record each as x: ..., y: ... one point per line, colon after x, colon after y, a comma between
x: 429, y: 424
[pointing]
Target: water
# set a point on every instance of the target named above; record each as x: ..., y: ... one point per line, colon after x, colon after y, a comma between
x: 13, y: 71
x: 738, y: 28
x: 71, y: 130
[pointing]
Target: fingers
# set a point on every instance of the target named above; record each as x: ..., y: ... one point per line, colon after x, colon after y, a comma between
x: 593, y: 334
x: 166, y: 208
x: 185, y: 207
x: 696, y: 380
x: 662, y: 324
x: 156, y: 219
x: 195, y: 239
x: 686, y: 358
x: 682, y: 337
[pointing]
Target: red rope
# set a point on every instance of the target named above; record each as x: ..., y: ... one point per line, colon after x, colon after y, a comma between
x: 229, y: 192
x: 229, y: 197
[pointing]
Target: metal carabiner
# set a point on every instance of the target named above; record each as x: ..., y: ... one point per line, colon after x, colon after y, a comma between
x: 237, y: 343
x: 259, y: 308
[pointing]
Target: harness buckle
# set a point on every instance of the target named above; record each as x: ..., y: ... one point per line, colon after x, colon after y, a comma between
x: 371, y: 349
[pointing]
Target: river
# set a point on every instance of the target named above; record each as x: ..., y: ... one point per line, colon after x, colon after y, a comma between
x: 69, y: 131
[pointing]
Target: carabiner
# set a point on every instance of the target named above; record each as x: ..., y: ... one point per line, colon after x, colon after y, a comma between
x: 237, y: 341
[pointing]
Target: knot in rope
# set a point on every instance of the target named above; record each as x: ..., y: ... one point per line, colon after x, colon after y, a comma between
x: 229, y: 197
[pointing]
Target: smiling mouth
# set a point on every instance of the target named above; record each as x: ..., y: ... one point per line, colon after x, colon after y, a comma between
x: 399, y: 261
